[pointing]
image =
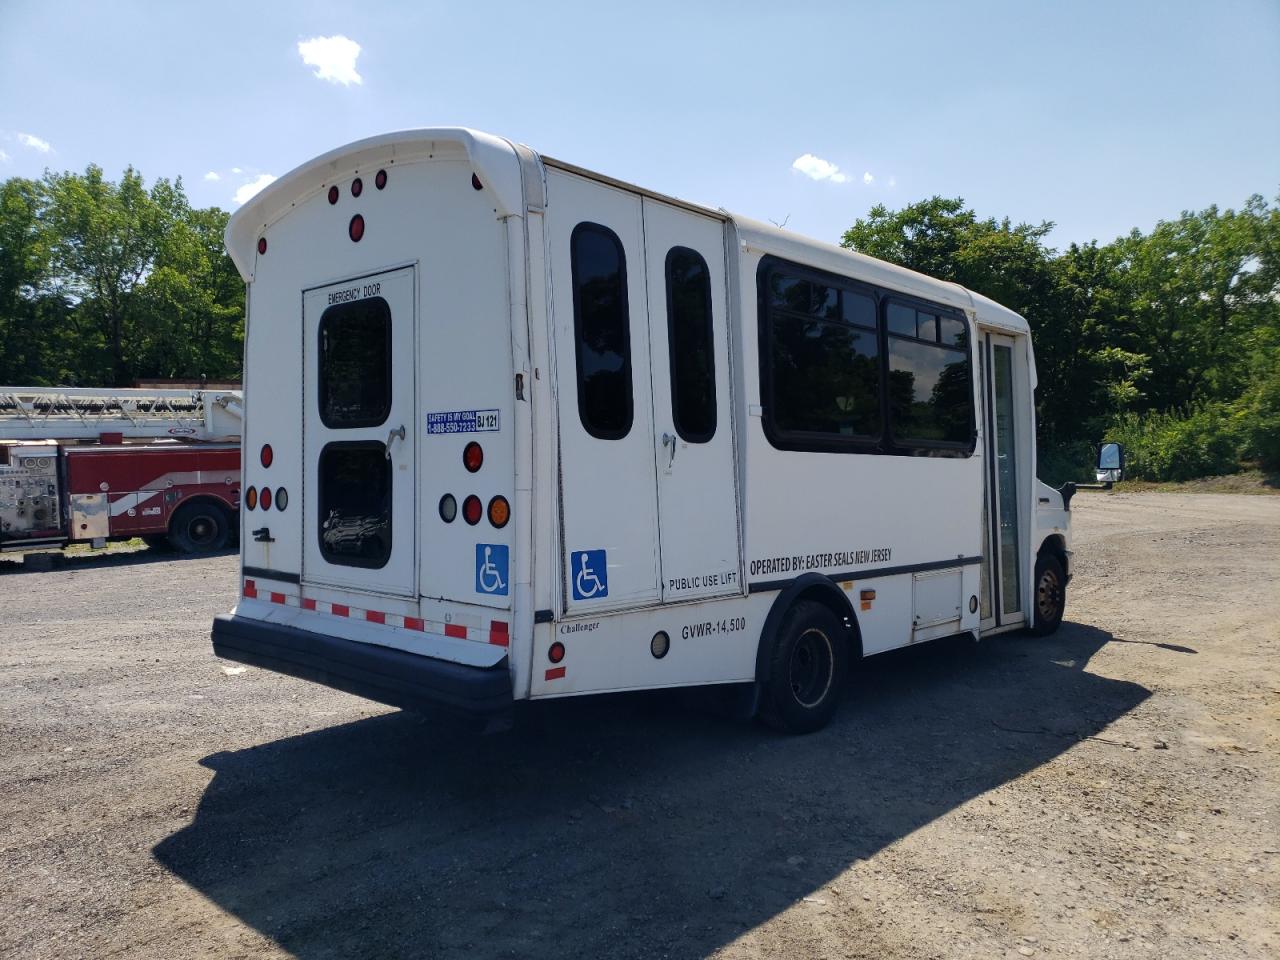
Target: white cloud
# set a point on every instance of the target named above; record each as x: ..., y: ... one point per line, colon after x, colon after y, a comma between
x: 868, y: 179
x: 236, y: 170
x: 893, y: 181
x: 333, y: 57
x: 212, y: 175
x: 4, y: 157
x: 34, y: 142
x: 815, y: 168
x: 247, y: 191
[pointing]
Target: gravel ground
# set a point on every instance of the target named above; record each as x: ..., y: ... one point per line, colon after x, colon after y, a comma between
x: 1110, y: 791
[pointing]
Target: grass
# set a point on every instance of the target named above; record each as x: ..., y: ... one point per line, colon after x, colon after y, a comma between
x: 1257, y: 482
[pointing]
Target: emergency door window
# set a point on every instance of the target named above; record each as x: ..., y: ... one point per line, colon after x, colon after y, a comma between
x: 355, y: 364
x: 355, y: 504
x: 602, y: 329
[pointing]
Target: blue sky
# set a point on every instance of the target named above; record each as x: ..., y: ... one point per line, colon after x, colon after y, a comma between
x: 1099, y: 116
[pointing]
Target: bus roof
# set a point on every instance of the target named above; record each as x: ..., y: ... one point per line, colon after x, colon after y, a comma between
x: 491, y: 158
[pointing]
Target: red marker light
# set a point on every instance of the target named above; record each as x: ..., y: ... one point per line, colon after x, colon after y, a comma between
x: 473, y: 457
x: 472, y: 510
x: 250, y: 498
x: 356, y: 228
x: 555, y: 652
x: 357, y: 187
x: 475, y: 182
x: 266, y: 456
x: 334, y: 193
x: 264, y: 498
x: 262, y: 245
x: 380, y: 180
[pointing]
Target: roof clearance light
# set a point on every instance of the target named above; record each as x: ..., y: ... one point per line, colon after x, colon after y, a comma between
x: 262, y: 245
x: 251, y: 498
x: 472, y: 510
x: 380, y: 180
x: 334, y: 193
x: 473, y: 457
x: 357, y: 187
x: 448, y: 508
x: 555, y: 653
x: 264, y: 498
x: 267, y: 455
x: 475, y: 182
x: 282, y: 498
x: 499, y: 512
x: 356, y: 228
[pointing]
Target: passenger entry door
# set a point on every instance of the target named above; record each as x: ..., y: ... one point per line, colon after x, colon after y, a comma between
x: 1005, y: 397
x: 358, y: 521
x: 693, y: 446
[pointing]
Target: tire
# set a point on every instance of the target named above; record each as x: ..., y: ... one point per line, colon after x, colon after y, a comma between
x: 806, y: 672
x: 200, y: 527
x: 1050, y: 597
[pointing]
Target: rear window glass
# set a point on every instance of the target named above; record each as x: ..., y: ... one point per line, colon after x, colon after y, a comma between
x: 355, y: 504
x: 354, y: 383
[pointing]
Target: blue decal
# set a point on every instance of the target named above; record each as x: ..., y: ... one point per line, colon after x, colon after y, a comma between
x: 463, y: 421
x: 492, y: 568
x: 590, y: 574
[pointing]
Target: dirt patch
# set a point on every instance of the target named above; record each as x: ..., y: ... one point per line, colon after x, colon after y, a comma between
x: 1107, y: 792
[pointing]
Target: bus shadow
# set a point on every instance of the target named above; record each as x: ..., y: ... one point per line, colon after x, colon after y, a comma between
x: 18, y: 563
x: 623, y: 826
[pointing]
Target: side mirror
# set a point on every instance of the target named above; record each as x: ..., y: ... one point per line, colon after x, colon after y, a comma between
x: 1110, y: 462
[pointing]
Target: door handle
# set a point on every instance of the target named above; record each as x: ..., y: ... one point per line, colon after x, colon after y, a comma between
x: 391, y: 436
x: 669, y: 439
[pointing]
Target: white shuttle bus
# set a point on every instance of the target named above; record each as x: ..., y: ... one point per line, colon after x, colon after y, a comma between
x: 515, y: 430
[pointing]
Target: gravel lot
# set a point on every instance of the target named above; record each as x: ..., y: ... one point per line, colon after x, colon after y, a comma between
x: 1108, y: 792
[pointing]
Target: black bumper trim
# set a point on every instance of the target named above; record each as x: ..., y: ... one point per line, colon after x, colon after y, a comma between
x: 388, y: 676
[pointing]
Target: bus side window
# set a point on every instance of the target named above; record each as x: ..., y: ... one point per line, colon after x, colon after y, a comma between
x: 602, y: 331
x: 930, y: 382
x: 691, y: 345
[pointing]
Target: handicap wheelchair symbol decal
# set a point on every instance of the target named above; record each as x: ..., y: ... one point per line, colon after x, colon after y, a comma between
x: 492, y: 568
x: 590, y: 575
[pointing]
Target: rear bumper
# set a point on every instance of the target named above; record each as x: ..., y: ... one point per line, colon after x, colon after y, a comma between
x: 388, y: 676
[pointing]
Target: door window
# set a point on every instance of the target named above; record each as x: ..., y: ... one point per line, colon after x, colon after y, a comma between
x: 355, y: 364
x: 602, y: 331
x: 691, y: 346
x: 1006, y: 479
x: 355, y: 504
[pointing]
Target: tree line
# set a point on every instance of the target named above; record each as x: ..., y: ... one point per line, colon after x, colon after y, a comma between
x: 1169, y: 340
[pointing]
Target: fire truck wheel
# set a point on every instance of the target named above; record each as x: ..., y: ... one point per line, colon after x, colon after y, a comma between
x: 807, y: 669
x: 1050, y: 598
x: 199, y: 528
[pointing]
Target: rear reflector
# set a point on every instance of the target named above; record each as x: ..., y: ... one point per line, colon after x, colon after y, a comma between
x: 355, y: 229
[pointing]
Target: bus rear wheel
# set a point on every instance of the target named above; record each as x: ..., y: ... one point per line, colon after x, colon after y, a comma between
x: 199, y: 528
x: 807, y: 667
x: 1050, y: 597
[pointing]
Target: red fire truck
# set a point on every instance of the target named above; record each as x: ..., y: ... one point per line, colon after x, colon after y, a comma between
x: 97, y: 465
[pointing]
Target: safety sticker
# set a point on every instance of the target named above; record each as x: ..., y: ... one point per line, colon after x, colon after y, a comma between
x: 492, y: 561
x: 462, y: 421
x: 590, y: 575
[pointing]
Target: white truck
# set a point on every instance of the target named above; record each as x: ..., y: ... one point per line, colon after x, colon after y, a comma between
x: 517, y: 430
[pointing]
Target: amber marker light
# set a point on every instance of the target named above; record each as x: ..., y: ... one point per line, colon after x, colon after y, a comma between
x: 499, y: 512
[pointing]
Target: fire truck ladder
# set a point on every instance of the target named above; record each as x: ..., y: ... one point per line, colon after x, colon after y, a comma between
x: 65, y: 413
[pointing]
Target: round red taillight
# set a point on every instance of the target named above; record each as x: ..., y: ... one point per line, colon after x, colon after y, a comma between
x: 334, y: 193
x: 264, y: 498
x: 472, y: 510
x: 475, y: 182
x: 267, y: 455
x: 380, y: 180
x: 355, y: 229
x: 473, y: 457
x: 262, y: 245
x: 357, y: 187
x: 250, y: 498
x: 555, y: 653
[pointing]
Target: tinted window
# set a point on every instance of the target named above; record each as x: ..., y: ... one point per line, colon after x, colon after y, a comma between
x: 930, y: 390
x: 823, y: 363
x: 355, y: 504
x: 602, y: 329
x: 691, y: 344
x: 354, y: 385
x: 901, y: 320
